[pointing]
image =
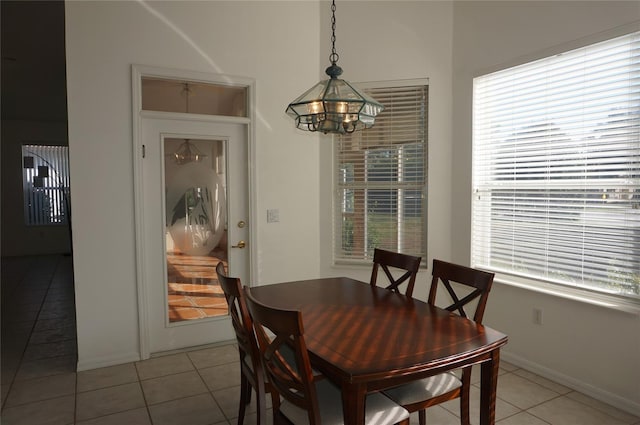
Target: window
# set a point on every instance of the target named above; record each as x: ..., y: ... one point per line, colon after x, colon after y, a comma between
x: 192, y: 97
x: 380, y: 182
x: 45, y: 183
x: 556, y: 169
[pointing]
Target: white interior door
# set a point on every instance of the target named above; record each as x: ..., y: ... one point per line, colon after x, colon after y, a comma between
x: 195, y: 214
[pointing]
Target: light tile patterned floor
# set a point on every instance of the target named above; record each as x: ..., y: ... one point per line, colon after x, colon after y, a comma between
x: 40, y: 385
x: 193, y: 290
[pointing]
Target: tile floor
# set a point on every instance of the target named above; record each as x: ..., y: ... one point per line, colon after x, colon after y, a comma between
x: 200, y: 387
x: 193, y: 290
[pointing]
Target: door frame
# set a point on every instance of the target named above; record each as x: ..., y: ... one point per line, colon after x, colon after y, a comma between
x: 137, y: 72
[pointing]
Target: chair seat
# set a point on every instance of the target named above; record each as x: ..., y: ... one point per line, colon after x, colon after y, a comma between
x: 379, y: 409
x: 424, y: 389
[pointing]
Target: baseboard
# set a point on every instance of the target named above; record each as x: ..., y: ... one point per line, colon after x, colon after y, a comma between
x: 615, y: 400
x: 99, y: 362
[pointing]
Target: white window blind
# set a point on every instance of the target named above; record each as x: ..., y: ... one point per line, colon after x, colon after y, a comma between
x: 556, y: 169
x: 380, y: 190
x: 45, y: 182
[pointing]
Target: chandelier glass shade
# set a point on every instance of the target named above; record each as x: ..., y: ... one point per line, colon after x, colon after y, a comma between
x: 334, y: 105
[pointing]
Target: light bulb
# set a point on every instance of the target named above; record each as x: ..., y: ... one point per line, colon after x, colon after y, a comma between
x: 315, y: 107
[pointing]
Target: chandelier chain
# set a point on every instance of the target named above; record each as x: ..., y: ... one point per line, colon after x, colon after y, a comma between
x: 334, y: 56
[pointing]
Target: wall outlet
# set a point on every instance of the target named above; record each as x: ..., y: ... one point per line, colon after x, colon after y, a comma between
x: 537, y: 316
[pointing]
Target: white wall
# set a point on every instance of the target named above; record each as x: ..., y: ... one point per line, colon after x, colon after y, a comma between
x: 396, y: 40
x: 277, y: 44
x: 589, y: 348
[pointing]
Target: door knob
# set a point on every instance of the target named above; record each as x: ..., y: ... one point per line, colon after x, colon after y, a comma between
x: 240, y: 245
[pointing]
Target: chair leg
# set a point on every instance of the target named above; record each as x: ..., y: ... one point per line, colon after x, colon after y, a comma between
x: 464, y: 408
x: 249, y: 392
x: 278, y: 418
x: 422, y: 416
x: 464, y: 398
x: 261, y: 400
x: 245, y: 396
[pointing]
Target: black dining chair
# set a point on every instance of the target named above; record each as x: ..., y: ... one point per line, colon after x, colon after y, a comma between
x: 390, y: 262
x: 297, y: 396
x: 472, y: 292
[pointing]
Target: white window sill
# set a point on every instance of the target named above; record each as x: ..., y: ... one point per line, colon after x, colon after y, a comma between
x: 613, y: 302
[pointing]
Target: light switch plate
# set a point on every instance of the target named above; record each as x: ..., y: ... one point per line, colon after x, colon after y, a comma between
x: 273, y: 216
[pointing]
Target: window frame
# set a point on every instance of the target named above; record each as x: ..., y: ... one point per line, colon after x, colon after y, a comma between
x: 339, y: 188
x: 619, y: 301
x: 49, y: 192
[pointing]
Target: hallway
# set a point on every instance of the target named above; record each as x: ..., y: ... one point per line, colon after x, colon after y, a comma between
x: 38, y: 318
x: 39, y: 355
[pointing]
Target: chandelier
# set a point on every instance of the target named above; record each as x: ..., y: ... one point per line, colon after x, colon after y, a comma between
x: 334, y: 105
x: 187, y: 152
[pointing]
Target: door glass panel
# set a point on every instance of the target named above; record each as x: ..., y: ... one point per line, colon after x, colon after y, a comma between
x: 195, y: 196
x: 193, y: 97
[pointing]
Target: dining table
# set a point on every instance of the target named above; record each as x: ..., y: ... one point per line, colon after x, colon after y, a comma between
x: 367, y: 339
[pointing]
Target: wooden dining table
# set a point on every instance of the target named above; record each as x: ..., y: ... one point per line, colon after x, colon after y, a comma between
x: 366, y: 339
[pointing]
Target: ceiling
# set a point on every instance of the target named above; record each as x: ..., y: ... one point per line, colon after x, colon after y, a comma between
x: 33, y: 60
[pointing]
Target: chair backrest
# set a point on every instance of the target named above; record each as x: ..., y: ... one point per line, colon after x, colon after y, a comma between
x: 387, y: 260
x: 479, y: 280
x: 291, y: 380
x: 240, y: 318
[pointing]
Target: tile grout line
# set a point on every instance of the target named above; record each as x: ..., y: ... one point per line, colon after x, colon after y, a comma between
x: 144, y: 397
x: 22, y: 282
x: 210, y: 392
x: 560, y: 395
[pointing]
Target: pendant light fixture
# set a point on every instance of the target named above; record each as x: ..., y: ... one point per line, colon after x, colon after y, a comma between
x: 187, y: 152
x: 334, y: 105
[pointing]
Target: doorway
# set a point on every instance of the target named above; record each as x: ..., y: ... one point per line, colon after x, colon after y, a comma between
x: 192, y: 213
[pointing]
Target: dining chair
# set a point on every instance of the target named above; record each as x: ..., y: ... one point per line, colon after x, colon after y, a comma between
x: 251, y: 373
x: 305, y: 400
x: 389, y: 260
x: 472, y: 292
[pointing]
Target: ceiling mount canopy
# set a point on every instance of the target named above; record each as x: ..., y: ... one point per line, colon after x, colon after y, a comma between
x: 334, y: 105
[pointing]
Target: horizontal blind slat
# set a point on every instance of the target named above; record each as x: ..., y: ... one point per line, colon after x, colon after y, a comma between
x: 556, y: 168
x: 380, y: 179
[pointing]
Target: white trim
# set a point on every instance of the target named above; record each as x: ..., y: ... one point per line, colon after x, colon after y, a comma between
x: 561, y: 48
x: 607, y: 397
x: 106, y: 361
x: 159, y: 115
x: 195, y: 348
x: 393, y: 83
x: 203, y: 77
x: 137, y: 72
x: 252, y: 181
x: 597, y: 299
x: 143, y: 325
